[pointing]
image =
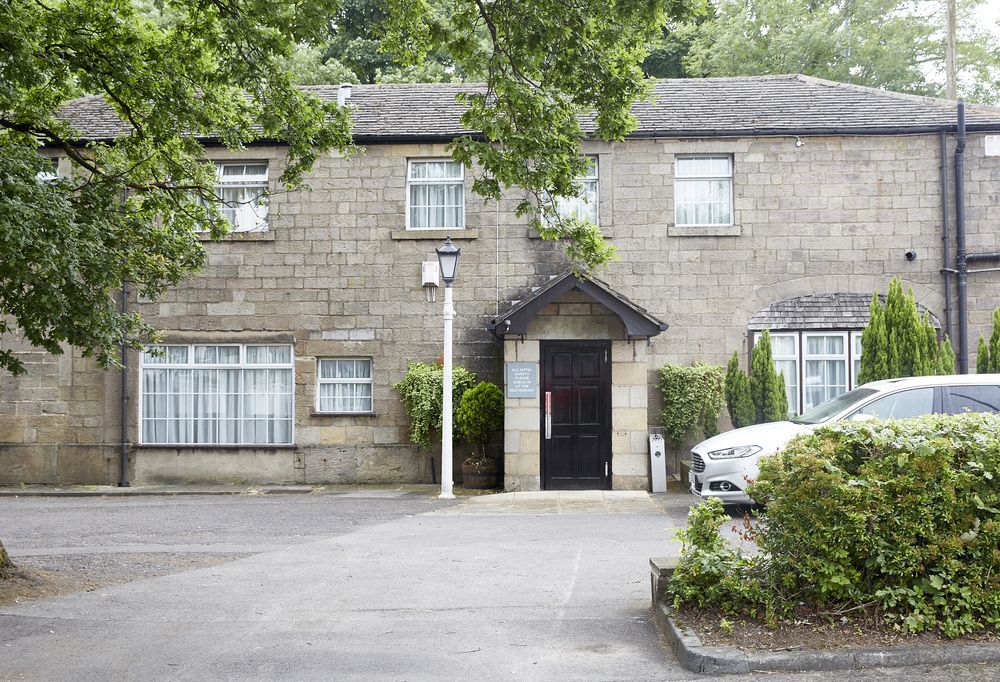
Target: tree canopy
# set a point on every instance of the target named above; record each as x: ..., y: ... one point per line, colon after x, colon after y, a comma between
x: 176, y: 69
x: 892, y: 44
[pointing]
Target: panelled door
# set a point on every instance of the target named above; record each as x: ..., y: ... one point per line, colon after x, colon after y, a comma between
x: 576, y: 415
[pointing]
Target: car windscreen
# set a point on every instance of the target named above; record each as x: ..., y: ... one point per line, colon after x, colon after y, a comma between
x: 824, y: 411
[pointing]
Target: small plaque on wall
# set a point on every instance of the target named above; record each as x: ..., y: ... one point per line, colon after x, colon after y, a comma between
x: 522, y: 379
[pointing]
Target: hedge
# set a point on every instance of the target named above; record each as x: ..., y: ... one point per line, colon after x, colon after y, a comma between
x: 897, y: 519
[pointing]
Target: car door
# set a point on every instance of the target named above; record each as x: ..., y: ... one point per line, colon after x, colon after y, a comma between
x: 980, y: 398
x: 912, y: 402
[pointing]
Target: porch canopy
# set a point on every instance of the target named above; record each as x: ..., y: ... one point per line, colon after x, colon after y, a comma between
x: 639, y: 324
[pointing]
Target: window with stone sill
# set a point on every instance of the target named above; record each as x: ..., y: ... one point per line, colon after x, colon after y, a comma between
x: 344, y: 386
x: 703, y: 191
x: 242, y: 190
x: 216, y: 394
x: 584, y: 206
x: 435, y: 195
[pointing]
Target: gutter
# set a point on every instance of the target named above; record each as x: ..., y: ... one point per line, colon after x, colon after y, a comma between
x: 123, y: 413
x: 945, y: 242
x: 961, y: 261
x: 673, y: 133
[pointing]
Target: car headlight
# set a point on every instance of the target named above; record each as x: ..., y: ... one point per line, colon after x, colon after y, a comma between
x: 733, y: 453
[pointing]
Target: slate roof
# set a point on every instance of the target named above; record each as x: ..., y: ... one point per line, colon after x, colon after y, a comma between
x: 819, y: 311
x: 639, y: 322
x: 705, y: 107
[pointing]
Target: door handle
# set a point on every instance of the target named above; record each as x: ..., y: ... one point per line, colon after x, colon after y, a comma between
x: 548, y: 415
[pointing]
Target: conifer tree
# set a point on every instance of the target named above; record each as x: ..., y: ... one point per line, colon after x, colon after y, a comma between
x: 738, y: 401
x: 946, y: 358
x: 767, y: 386
x: 994, y: 364
x: 874, y: 343
x: 982, y: 357
x: 898, y: 342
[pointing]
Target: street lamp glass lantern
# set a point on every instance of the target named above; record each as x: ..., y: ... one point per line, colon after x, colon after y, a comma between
x: 448, y: 260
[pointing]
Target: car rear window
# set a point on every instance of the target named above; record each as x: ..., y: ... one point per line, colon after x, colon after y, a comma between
x: 959, y: 399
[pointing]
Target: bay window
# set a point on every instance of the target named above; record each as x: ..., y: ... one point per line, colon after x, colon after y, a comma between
x: 824, y: 367
x: 217, y: 394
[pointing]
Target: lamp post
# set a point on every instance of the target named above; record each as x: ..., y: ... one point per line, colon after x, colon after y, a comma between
x: 448, y: 261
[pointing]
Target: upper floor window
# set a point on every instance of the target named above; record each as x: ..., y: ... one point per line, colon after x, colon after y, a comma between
x: 584, y: 205
x: 242, y: 187
x: 219, y: 394
x: 345, y: 385
x: 435, y: 195
x: 703, y: 190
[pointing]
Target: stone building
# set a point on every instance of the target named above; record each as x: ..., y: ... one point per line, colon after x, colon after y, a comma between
x: 736, y: 205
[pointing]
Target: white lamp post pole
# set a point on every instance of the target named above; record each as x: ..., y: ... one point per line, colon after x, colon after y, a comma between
x: 446, y: 412
x: 448, y: 261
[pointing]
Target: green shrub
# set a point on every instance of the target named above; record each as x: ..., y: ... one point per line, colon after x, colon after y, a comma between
x: 480, y: 416
x: 692, y: 398
x: 982, y: 357
x: 898, y: 518
x: 738, y: 400
x: 767, y: 385
x: 994, y: 362
x: 421, y: 390
x: 898, y: 342
x: 710, y: 572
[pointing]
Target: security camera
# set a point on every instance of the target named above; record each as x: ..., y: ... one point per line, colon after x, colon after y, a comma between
x: 910, y: 255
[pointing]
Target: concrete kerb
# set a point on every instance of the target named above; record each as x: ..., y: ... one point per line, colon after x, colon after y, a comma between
x: 696, y: 657
x: 179, y: 490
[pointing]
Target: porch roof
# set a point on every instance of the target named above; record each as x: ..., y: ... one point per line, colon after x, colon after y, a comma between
x: 639, y: 323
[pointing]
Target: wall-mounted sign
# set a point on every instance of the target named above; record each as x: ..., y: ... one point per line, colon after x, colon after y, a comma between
x: 522, y: 379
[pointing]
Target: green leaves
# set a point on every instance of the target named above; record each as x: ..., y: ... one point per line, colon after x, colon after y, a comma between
x: 421, y: 390
x: 132, y: 209
x: 692, y: 398
x: 889, y: 44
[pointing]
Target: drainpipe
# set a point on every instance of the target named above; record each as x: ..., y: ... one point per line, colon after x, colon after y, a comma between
x: 960, y: 255
x: 945, y: 241
x: 123, y: 454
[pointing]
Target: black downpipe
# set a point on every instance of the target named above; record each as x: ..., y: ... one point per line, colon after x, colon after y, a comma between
x: 945, y: 240
x: 123, y: 454
x: 960, y: 249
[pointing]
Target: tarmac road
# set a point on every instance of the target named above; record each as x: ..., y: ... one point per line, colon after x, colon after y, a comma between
x: 357, y: 588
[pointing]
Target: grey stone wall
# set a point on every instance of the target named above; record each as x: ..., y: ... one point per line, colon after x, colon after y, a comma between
x: 340, y: 276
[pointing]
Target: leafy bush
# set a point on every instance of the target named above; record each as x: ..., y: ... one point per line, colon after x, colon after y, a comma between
x: 692, y: 398
x: 422, y: 389
x: 899, y: 519
x: 710, y: 572
x: 480, y: 416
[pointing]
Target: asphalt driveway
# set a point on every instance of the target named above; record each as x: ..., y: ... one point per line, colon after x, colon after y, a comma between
x: 403, y: 587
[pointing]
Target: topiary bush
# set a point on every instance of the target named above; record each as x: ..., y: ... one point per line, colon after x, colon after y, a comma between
x: 422, y: 393
x: 480, y: 416
x: 692, y: 398
x: 896, y: 519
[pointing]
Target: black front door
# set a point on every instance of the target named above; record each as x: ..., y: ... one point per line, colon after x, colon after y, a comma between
x: 576, y: 444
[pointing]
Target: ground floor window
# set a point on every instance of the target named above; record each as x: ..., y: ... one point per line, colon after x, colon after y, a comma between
x: 218, y: 394
x: 817, y: 365
x: 345, y: 385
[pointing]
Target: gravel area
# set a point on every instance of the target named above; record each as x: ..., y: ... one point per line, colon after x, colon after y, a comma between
x: 64, y: 545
